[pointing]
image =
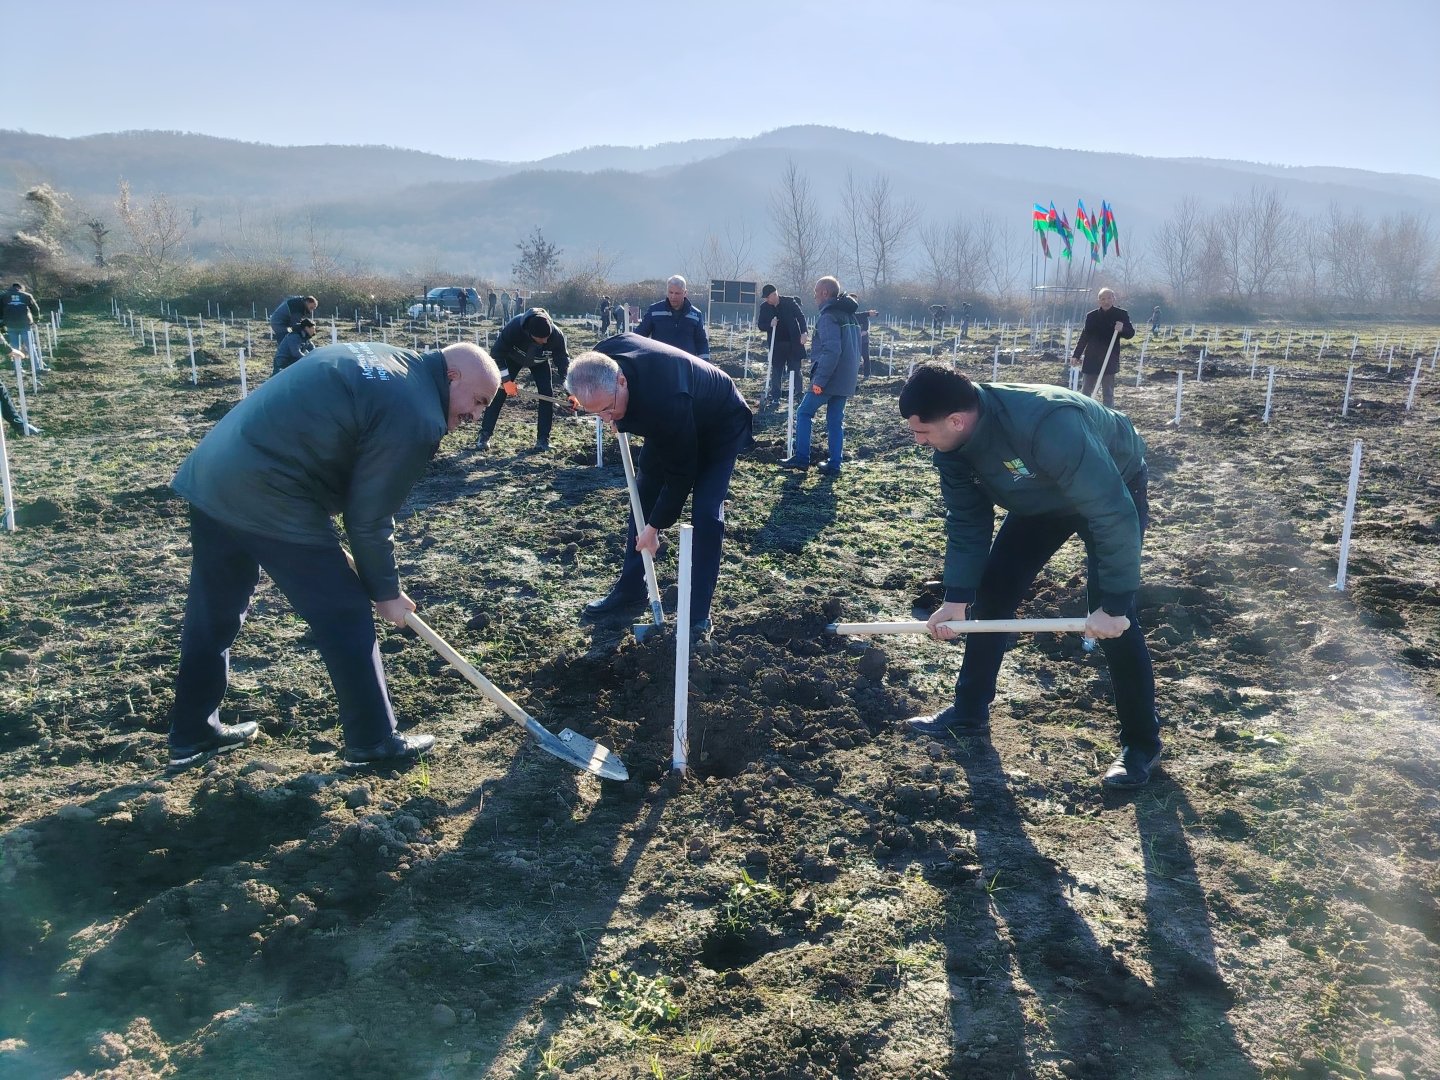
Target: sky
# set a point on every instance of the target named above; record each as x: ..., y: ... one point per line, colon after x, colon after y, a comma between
x: 1288, y: 83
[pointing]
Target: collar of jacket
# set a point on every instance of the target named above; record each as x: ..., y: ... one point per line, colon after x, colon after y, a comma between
x: 977, y: 433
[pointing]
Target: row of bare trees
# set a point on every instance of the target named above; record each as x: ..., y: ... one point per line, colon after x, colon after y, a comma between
x: 1258, y: 252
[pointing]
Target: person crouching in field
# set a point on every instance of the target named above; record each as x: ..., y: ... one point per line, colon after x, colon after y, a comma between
x: 373, y: 416
x: 1060, y: 464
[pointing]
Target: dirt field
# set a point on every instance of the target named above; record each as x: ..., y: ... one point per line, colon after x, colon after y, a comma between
x: 825, y: 895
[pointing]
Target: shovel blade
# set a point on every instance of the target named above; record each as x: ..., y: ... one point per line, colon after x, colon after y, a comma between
x: 574, y: 748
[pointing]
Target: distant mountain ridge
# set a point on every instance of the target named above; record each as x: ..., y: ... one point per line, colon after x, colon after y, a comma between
x: 397, y: 209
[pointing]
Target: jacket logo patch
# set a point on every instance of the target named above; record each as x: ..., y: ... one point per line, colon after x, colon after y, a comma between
x: 1018, y: 471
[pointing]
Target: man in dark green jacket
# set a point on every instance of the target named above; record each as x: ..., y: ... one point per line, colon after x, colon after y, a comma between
x: 348, y: 432
x: 296, y: 344
x: 1060, y: 464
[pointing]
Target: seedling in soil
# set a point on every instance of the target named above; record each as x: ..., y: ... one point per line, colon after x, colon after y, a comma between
x: 704, y: 1043
x: 747, y: 904
x: 635, y: 1000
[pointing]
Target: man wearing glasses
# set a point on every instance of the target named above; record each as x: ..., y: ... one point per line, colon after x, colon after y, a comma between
x: 695, y: 424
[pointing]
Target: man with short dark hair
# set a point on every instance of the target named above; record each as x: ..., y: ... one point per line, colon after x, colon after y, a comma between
x: 529, y: 340
x: 676, y: 321
x: 296, y: 344
x: 695, y: 423
x: 834, y: 376
x: 288, y: 313
x: 783, y: 322
x: 1060, y: 464
x: 372, y: 417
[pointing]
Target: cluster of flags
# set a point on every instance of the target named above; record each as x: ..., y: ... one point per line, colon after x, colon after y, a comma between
x: 1100, y: 230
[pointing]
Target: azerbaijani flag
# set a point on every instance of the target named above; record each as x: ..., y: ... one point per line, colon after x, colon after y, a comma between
x: 1062, y: 226
x: 1109, y: 231
x: 1086, y: 227
x: 1040, y: 220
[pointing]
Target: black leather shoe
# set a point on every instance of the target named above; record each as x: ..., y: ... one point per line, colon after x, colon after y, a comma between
x: 230, y: 736
x: 827, y: 470
x: 796, y: 462
x: 949, y: 724
x: 541, y: 447
x: 701, y: 631
x: 1132, y: 768
x: 614, y: 602
x: 395, y: 750
x: 482, y: 443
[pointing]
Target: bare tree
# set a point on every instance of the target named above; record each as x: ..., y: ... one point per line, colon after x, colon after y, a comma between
x: 99, y: 231
x: 539, y: 262
x: 724, y: 255
x: 1266, y: 235
x: 1404, y: 264
x: 953, y: 257
x: 850, y: 234
x: 889, y: 227
x: 158, y: 230
x: 998, y: 255
x: 799, y: 229
x: 1350, y: 256
x: 1179, y: 245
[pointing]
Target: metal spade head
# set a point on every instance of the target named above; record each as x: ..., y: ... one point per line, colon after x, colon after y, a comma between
x: 574, y: 748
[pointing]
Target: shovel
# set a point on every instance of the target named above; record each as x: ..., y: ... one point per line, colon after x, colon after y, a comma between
x: 968, y: 626
x: 642, y: 630
x: 568, y: 746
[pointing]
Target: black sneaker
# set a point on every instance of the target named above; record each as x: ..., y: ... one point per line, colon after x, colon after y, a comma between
x: 394, y: 750
x: 541, y: 447
x: 948, y: 723
x: 701, y: 630
x: 615, y: 602
x: 1132, y: 768
x: 230, y: 736
x: 482, y: 443
x: 796, y: 462
x: 826, y: 469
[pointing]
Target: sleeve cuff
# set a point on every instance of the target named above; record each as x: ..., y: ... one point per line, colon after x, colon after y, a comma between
x: 1117, y: 603
x: 955, y: 594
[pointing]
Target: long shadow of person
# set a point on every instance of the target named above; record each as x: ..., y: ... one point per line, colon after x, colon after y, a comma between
x: 800, y: 514
x: 1181, y: 946
x: 1075, y: 996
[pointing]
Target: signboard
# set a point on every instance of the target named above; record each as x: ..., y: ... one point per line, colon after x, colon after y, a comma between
x: 731, y: 301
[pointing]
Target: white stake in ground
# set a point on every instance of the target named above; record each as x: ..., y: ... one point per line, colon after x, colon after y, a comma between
x: 599, y: 443
x: 1179, y: 394
x: 1200, y: 366
x: 1139, y: 367
x: 20, y: 383
x: 1269, y: 395
x: 168, y: 358
x: 334, y: 333
x: 680, y: 751
x: 1349, y: 516
x: 790, y: 420
x: 1345, y: 408
x: 244, y: 385
x: 5, y: 482
x: 1414, y: 382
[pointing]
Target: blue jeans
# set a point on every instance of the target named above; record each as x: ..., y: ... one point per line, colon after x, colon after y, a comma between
x: 1022, y: 547
x: 324, y: 591
x: 834, y: 425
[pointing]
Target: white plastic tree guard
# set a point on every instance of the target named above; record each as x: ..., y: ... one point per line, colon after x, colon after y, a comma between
x: 1349, y: 516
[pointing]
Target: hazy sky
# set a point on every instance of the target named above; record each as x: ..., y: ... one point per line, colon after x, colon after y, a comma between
x: 1294, y: 83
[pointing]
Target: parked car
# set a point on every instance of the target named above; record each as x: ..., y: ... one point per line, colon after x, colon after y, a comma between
x: 446, y: 300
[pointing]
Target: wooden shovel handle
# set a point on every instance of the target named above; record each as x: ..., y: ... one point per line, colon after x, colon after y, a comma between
x: 969, y: 626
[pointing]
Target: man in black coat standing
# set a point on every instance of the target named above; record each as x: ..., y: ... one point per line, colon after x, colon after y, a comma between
x: 695, y: 423
x: 1097, y: 360
x: 782, y: 319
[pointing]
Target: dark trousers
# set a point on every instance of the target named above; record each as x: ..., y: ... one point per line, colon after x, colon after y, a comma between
x: 712, y: 484
x: 7, y: 408
x: 540, y: 372
x: 1088, y: 379
x: 1022, y: 547
x: 778, y: 389
x: 324, y: 591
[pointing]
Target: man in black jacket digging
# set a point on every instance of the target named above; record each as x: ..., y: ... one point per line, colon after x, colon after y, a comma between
x: 372, y: 417
x: 529, y: 340
x: 695, y: 424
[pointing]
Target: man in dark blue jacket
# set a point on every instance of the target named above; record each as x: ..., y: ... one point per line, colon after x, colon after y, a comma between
x: 529, y: 340
x: 295, y: 345
x: 695, y: 424
x: 781, y: 318
x: 261, y: 496
x: 288, y: 313
x: 676, y: 321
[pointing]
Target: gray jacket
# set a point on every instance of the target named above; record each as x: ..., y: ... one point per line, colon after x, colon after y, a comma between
x: 348, y: 432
